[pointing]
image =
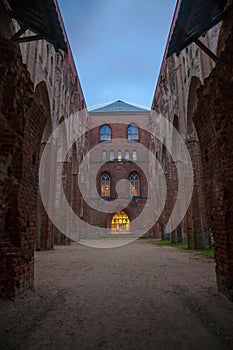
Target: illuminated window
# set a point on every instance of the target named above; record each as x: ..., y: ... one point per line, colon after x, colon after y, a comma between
x: 105, y: 186
x: 135, y: 155
x: 104, y: 156
x: 127, y: 155
x: 120, y: 223
x: 134, y: 185
x: 119, y: 156
x: 133, y: 134
x: 105, y: 133
x: 111, y: 156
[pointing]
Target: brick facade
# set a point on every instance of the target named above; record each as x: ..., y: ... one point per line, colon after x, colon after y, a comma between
x: 213, y: 120
x: 195, y: 95
x: 38, y: 87
x: 115, y: 168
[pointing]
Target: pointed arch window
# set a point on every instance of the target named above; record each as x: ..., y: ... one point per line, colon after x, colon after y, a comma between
x: 104, y: 156
x: 119, y: 156
x: 127, y: 156
x: 134, y: 185
x: 105, y: 185
x: 111, y: 156
x: 133, y: 133
x: 135, y: 157
x: 105, y: 133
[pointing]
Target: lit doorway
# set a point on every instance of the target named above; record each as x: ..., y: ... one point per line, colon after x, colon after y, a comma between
x: 120, y: 223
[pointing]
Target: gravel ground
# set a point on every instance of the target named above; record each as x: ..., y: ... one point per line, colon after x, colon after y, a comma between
x: 138, y: 296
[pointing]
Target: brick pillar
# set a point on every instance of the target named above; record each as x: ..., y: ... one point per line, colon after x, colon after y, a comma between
x: 214, y: 124
x: 21, y: 132
x: 197, y: 221
x: 44, y: 225
x: 59, y: 237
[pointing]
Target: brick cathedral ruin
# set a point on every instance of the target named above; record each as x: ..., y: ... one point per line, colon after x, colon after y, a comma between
x: 40, y: 89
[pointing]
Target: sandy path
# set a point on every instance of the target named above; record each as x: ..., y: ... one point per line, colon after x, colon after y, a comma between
x: 135, y: 297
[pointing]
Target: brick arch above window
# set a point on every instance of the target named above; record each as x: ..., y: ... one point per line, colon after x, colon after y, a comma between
x: 111, y: 156
x: 134, y: 185
x: 127, y: 156
x: 119, y: 156
x: 105, y: 133
x: 135, y: 156
x: 105, y: 185
x: 133, y: 133
x: 104, y: 156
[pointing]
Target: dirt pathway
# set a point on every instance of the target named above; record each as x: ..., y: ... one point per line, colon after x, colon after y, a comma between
x: 135, y: 297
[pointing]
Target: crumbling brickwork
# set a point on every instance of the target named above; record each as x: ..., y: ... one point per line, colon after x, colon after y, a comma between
x: 21, y: 132
x: 38, y: 87
x: 197, y: 93
x: 213, y: 120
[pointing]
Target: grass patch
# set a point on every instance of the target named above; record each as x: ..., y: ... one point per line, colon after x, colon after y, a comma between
x: 205, y: 253
x: 161, y: 243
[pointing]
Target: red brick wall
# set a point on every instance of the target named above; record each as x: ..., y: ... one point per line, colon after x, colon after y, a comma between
x: 214, y: 123
x: 118, y: 170
x: 210, y: 211
x: 21, y: 132
x: 29, y: 102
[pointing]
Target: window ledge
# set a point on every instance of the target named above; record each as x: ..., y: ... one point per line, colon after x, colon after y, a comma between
x: 106, y: 198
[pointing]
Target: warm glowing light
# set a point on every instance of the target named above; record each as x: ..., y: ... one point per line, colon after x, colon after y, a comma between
x: 120, y: 223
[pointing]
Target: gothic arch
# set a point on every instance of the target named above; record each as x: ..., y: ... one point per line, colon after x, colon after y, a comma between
x: 196, y: 215
x: 111, y: 215
x: 62, y: 140
x: 177, y: 234
x: 42, y: 95
x: 195, y: 84
x: 176, y: 126
x: 24, y: 117
x: 44, y: 227
x: 76, y: 203
x: 64, y: 162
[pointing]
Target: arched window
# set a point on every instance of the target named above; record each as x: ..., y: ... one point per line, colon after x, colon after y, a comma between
x: 127, y: 156
x: 134, y: 156
x: 111, y: 156
x: 105, y: 133
x: 119, y: 156
x: 134, y: 185
x: 104, y: 156
x: 105, y: 186
x: 133, y: 134
x: 120, y: 223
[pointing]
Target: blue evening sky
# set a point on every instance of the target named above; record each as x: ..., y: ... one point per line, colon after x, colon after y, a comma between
x: 118, y: 46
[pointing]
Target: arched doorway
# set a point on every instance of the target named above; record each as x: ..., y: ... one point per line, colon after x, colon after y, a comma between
x: 120, y: 223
